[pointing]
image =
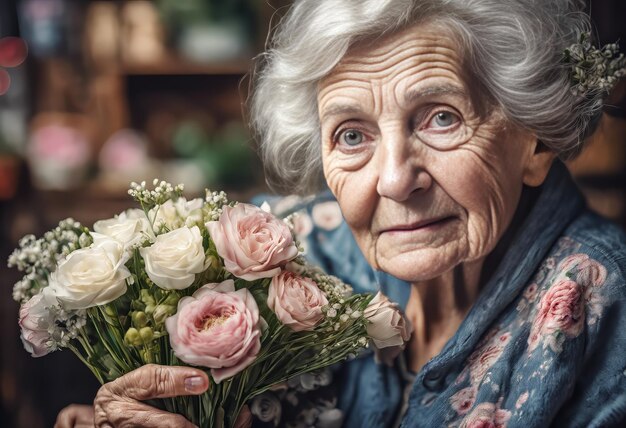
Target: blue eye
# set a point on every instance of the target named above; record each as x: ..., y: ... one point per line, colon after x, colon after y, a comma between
x: 352, y: 137
x: 444, y: 119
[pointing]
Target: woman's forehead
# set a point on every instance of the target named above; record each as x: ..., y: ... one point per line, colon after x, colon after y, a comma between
x: 418, y: 61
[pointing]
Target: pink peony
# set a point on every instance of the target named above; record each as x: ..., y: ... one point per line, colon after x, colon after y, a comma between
x: 297, y: 301
x: 561, y: 310
x: 34, y: 322
x: 253, y: 243
x: 486, y: 415
x: 217, y: 327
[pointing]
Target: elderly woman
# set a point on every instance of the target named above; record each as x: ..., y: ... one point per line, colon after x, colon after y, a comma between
x: 438, y: 126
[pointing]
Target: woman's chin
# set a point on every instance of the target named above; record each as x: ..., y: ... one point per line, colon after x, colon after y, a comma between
x: 417, y: 266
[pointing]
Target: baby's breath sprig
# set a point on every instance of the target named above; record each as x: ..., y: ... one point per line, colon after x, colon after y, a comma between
x: 65, y: 326
x: 215, y: 202
x: 37, y: 258
x: 162, y: 192
x: 593, y: 70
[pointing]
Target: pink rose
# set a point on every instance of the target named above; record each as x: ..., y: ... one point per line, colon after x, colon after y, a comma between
x: 486, y: 415
x: 253, y: 243
x: 217, y: 327
x: 463, y: 400
x: 297, y: 301
x: 561, y: 310
x: 388, y: 329
x: 34, y: 322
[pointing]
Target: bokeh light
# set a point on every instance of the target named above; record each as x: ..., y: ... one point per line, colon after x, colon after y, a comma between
x: 5, y: 81
x: 13, y: 51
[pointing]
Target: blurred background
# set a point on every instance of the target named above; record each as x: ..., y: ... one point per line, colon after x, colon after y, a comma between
x: 95, y: 94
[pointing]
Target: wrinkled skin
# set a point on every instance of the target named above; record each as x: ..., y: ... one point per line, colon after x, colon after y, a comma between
x: 428, y: 174
x: 119, y: 403
x: 424, y: 180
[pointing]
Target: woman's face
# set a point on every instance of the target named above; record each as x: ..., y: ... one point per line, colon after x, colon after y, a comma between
x: 424, y: 181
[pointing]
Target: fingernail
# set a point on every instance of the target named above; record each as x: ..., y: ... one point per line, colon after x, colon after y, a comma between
x: 194, y: 384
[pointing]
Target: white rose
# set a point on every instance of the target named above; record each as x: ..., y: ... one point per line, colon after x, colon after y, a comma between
x: 387, y: 327
x: 179, y: 213
x: 129, y: 228
x: 91, y: 276
x: 175, y: 258
x: 190, y: 211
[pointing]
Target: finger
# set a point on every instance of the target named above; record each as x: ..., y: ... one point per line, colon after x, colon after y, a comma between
x: 244, y: 420
x: 153, y: 381
x: 75, y: 416
x: 120, y: 414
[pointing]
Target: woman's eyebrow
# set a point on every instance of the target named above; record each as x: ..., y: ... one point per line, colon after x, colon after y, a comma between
x: 340, y: 109
x: 414, y: 95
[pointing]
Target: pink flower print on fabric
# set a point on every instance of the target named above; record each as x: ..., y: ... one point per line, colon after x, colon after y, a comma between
x: 523, y: 398
x: 486, y: 356
x: 595, y: 305
x: 486, y: 415
x: 530, y: 293
x: 561, y: 315
x: 586, y: 271
x: 327, y: 215
x: 463, y: 400
x: 591, y: 273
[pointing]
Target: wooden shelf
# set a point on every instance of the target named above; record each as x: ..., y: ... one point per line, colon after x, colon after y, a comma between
x: 176, y: 66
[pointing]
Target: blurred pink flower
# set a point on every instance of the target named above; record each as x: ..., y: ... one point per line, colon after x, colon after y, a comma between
x: 253, y: 243
x: 218, y: 328
x: 297, y: 301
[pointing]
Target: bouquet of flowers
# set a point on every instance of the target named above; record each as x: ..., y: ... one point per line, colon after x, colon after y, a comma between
x: 206, y: 282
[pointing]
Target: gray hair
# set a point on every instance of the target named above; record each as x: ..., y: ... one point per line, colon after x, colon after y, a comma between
x: 512, y: 48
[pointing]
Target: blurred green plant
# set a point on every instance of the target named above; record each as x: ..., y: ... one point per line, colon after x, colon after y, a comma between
x: 224, y: 156
x: 178, y: 15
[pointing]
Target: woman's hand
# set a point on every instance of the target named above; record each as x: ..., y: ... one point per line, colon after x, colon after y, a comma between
x: 119, y: 403
x: 75, y: 416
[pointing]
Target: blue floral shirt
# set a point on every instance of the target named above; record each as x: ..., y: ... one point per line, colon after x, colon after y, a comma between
x: 544, y: 344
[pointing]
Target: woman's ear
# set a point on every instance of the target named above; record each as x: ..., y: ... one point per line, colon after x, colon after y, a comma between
x: 538, y: 164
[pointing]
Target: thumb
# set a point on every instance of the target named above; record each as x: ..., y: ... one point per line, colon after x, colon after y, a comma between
x: 154, y: 381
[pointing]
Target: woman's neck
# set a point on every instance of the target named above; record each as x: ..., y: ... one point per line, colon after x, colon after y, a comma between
x: 437, y: 307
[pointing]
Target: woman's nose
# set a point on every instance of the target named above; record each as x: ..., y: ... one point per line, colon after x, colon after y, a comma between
x: 401, y: 171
